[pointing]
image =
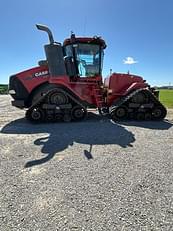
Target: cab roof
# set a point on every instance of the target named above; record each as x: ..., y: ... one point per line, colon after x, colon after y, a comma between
x: 89, y: 40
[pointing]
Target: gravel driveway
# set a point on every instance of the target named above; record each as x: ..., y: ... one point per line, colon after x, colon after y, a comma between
x: 93, y: 175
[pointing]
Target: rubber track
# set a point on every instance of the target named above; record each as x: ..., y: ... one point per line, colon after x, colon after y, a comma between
x: 124, y: 100
x: 42, y: 100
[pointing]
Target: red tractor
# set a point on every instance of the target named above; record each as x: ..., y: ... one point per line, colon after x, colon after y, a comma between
x: 70, y: 80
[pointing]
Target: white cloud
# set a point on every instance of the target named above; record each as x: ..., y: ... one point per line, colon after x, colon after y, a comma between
x: 129, y: 60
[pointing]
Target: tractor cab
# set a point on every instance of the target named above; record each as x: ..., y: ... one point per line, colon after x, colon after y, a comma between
x: 78, y: 57
x: 84, y: 56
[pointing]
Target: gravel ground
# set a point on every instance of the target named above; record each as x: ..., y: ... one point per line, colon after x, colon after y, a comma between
x: 92, y: 175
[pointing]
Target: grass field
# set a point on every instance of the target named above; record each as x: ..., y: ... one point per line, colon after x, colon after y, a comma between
x: 166, y: 97
x: 3, y: 88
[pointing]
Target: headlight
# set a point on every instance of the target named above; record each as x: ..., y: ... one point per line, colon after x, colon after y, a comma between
x: 12, y: 92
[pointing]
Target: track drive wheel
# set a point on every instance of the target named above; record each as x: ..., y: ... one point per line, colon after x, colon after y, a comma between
x: 120, y: 113
x: 58, y: 97
x: 158, y: 113
x: 78, y: 113
x: 35, y: 115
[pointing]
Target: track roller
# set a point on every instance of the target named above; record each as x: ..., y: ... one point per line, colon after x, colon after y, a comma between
x: 67, y: 118
x: 140, y: 116
x: 58, y: 117
x: 49, y: 118
x: 148, y: 116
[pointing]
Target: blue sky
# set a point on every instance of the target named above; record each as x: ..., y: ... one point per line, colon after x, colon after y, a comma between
x: 141, y: 29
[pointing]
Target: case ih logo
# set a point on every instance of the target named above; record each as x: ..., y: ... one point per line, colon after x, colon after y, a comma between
x: 41, y: 73
x: 38, y: 74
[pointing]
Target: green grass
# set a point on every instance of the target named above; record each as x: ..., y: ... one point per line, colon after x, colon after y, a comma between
x: 166, y: 97
x: 3, y: 88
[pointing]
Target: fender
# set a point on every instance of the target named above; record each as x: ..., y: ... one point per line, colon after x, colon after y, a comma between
x: 135, y: 86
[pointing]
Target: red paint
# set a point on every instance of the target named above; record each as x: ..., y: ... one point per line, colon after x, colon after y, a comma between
x: 121, y: 85
x: 30, y: 81
x: 84, y: 88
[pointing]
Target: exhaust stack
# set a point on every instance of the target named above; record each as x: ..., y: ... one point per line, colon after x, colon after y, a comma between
x: 46, y: 29
x: 54, y: 54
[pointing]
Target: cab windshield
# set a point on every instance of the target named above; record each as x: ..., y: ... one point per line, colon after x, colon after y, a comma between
x: 88, y: 58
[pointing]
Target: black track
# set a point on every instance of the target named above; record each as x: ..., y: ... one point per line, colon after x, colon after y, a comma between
x: 139, y: 105
x: 63, y: 107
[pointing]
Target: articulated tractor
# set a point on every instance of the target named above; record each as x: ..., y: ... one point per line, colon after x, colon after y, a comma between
x: 69, y: 81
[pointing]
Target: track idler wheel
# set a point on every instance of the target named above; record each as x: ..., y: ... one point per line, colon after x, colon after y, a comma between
x: 35, y: 115
x: 50, y: 118
x: 158, y: 113
x: 78, y: 113
x: 120, y: 113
